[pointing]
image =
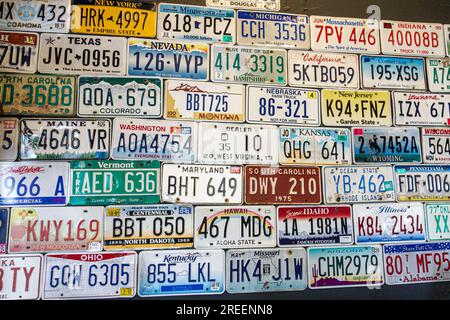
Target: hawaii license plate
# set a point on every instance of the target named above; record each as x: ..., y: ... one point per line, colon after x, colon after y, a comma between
x: 436, y: 145
x: 438, y: 71
x: 4, y: 218
x: 265, y: 5
x: 18, y: 52
x: 438, y: 222
x: 9, y: 139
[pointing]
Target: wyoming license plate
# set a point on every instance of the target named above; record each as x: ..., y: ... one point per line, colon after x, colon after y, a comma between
x: 9, y: 139
x: 18, y: 52
x: 265, y: 5
x: 436, y: 145
x: 438, y: 222
x: 438, y: 71
x: 4, y: 218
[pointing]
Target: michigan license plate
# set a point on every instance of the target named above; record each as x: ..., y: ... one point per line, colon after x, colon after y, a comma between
x: 18, y: 52
x: 438, y: 222
x: 265, y: 5
x: 438, y: 71
x: 9, y: 139
x: 4, y: 218
x: 436, y: 145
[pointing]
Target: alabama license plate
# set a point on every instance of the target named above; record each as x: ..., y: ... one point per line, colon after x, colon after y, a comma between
x: 438, y: 71
x: 265, y: 5
x: 18, y: 52
x: 438, y: 222
x: 436, y: 145
x: 9, y: 139
x: 4, y: 218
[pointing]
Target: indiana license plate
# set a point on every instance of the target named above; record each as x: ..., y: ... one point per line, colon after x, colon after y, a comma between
x: 438, y: 222
x: 9, y: 139
x: 438, y: 71
x: 265, y: 5
x: 436, y: 145
x: 4, y: 218
x: 18, y: 52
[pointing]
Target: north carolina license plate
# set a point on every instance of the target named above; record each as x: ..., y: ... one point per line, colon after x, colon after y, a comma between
x: 283, y: 105
x: 265, y: 5
x: 314, y: 225
x: 181, y: 272
x: 114, y: 182
x: 204, y: 101
x: 18, y: 52
x: 266, y: 270
x: 9, y: 139
x: 55, y: 229
x: 235, y: 227
x: 4, y: 218
x: 90, y: 275
x: 119, y: 96
x: 436, y: 145
x: 148, y: 227
x: 438, y: 222
x: 438, y: 71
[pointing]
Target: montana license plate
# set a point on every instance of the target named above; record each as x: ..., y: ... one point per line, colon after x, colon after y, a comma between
x: 18, y: 52
x: 265, y: 5
x: 4, y: 218
x: 438, y: 222
x: 438, y: 71
x: 9, y: 139
x: 436, y: 145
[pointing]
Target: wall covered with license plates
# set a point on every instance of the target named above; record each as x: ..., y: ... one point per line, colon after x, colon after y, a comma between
x: 168, y: 149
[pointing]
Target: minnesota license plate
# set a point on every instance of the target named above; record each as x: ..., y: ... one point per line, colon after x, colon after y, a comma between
x: 265, y: 5
x: 436, y: 145
x: 438, y: 222
x: 9, y: 139
x: 18, y: 52
x: 148, y: 227
x: 4, y: 218
x: 438, y: 71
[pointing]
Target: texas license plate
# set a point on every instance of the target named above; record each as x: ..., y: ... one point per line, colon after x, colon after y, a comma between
x: 9, y: 139
x: 148, y: 227
x: 119, y: 96
x: 436, y: 145
x: 266, y: 270
x: 265, y: 5
x: 4, y: 218
x: 18, y: 52
x: 181, y: 272
x: 204, y: 101
x: 314, y: 225
x: 438, y: 222
x: 235, y: 227
x: 283, y: 105
x: 438, y: 71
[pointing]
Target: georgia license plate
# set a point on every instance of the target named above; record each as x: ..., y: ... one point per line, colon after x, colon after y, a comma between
x: 283, y: 105
x: 119, y: 96
x: 438, y: 71
x: 154, y: 140
x: 9, y: 139
x: 204, y: 101
x: 181, y: 272
x: 266, y: 270
x: 34, y: 184
x: 148, y: 227
x: 340, y: 267
x: 314, y: 225
x: 436, y: 145
x: 235, y: 227
x: 201, y: 184
x: 248, y: 64
x: 90, y: 275
x: 18, y: 52
x: 114, y: 182
x: 56, y: 229
x: 265, y: 5
x: 4, y: 215
x: 438, y: 222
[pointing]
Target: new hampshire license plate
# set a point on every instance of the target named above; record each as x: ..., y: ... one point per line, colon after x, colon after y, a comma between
x: 18, y: 52
x: 9, y: 139
x: 438, y: 71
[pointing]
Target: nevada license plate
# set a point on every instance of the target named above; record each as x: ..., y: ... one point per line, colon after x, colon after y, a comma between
x: 9, y: 139
x: 90, y: 275
x: 436, y: 145
x: 204, y: 101
x: 18, y: 52
x: 314, y: 225
x: 266, y: 270
x: 438, y: 71
x: 181, y: 272
x: 4, y: 218
x: 266, y: 5
x: 119, y: 96
x: 283, y: 105
x: 114, y: 182
x: 56, y: 229
x: 438, y: 222
x: 235, y: 227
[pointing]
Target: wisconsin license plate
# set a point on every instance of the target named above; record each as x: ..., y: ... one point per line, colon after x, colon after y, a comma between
x: 438, y: 222
x: 436, y: 145
x: 4, y: 218
x: 18, y: 52
x: 265, y: 5
x: 9, y: 139
x: 438, y: 71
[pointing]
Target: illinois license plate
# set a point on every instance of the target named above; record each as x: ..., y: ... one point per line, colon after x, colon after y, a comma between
x: 4, y: 218
x: 438, y: 71
x: 18, y: 52
x: 438, y: 222
x: 265, y: 5
x: 9, y: 139
x: 436, y: 145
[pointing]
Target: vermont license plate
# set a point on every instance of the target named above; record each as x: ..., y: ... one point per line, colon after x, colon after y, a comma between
x: 438, y: 71
x: 18, y: 52
x: 265, y: 5
x: 4, y: 218
x: 438, y: 222
x: 436, y: 145
x: 9, y: 139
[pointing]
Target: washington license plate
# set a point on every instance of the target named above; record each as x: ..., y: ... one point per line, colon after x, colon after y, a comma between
x: 18, y: 52
x: 265, y: 5
x: 4, y: 218
x: 436, y: 145
x: 438, y: 222
x: 9, y: 139
x: 438, y: 71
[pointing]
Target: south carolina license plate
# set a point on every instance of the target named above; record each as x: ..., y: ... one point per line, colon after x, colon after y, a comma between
x: 18, y: 52
x: 265, y: 5
x: 4, y: 218
x: 438, y: 71
x: 436, y: 145
x: 438, y: 222
x: 9, y: 139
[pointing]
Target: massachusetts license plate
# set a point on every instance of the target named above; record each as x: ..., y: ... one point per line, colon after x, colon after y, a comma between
x: 266, y: 270
x: 119, y: 96
x: 55, y: 229
x: 181, y: 272
x: 265, y: 5
x: 438, y: 71
x: 148, y: 227
x: 114, y: 182
x: 235, y: 227
x: 436, y: 145
x: 438, y: 222
x: 18, y: 52
x: 90, y: 275
x: 4, y: 218
x: 248, y: 65
x: 201, y: 184
x: 282, y: 185
x: 283, y: 105
x: 314, y: 225
x: 9, y: 139
x: 204, y: 101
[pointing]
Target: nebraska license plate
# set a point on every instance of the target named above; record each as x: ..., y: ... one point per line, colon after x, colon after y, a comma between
x: 265, y: 5
x: 438, y: 71
x: 4, y: 218
x: 9, y: 139
x: 436, y: 145
x: 438, y: 222
x: 18, y: 52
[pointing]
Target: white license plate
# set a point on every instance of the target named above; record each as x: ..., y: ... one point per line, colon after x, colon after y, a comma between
x: 235, y: 227
x: 4, y: 224
x: 438, y: 221
x: 18, y: 52
x: 265, y: 5
x: 9, y: 139
x: 201, y: 184
x: 447, y: 39
x: 436, y: 145
x: 438, y: 71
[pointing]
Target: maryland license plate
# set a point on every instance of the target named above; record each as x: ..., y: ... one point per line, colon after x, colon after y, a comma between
x: 4, y: 218
x: 438, y: 222
x: 436, y: 145
x: 18, y: 52
x: 265, y: 5
x: 438, y: 71
x: 9, y: 139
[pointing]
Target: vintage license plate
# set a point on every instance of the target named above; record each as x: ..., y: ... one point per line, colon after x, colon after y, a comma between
x: 436, y: 145
x: 90, y: 275
x: 64, y: 139
x: 221, y: 143
x: 314, y: 225
x: 438, y: 222
x: 34, y: 184
x: 447, y: 39
x: 248, y: 65
x: 315, y: 146
x: 266, y: 270
x: 341, y: 267
x: 235, y: 227
x: 265, y: 5
x: 4, y: 218
x: 114, y: 182
x: 204, y: 101
x: 438, y: 71
x: 119, y: 96
x: 55, y: 229
x: 282, y: 185
x: 18, y: 52
x: 181, y: 272
x: 283, y: 105
x: 154, y: 140
x: 9, y: 139
x: 81, y: 54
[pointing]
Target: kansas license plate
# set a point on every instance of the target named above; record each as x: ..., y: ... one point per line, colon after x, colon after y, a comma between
x: 436, y: 145
x: 181, y: 272
x: 235, y: 227
x: 9, y: 139
x: 265, y: 5
x: 4, y: 218
x: 438, y: 71
x: 438, y: 222
x: 18, y: 52
x: 148, y: 227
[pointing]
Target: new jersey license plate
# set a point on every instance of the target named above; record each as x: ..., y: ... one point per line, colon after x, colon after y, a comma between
x: 9, y: 139
x: 18, y: 52
x: 438, y: 71
x: 436, y: 145
x: 265, y: 5
x: 438, y: 222
x: 4, y: 218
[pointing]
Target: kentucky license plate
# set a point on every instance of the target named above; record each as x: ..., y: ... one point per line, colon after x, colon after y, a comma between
x: 438, y: 222
x: 436, y: 145
x: 9, y: 139
x: 265, y: 5
x: 18, y: 52
x: 438, y: 71
x: 4, y: 218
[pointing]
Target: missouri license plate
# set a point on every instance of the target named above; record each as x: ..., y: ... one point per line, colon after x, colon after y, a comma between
x: 265, y: 5
x: 438, y: 71
x: 436, y: 145
x: 438, y: 222
x: 9, y: 139
x: 18, y: 52
x: 4, y: 218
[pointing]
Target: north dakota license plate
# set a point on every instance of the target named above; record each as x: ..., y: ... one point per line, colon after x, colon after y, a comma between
x: 9, y: 139
x: 4, y: 218
x: 438, y: 71
x: 265, y: 5
x: 436, y: 145
x: 18, y: 52
x: 438, y: 222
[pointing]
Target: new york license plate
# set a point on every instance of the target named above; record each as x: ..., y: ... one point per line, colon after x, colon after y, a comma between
x: 4, y: 218
x: 9, y: 139
x: 265, y: 5
x: 18, y: 52
x: 438, y: 71
x: 436, y: 145
x: 438, y: 222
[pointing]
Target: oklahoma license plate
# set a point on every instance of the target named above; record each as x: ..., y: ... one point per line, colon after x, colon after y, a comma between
x: 436, y: 145
x: 4, y: 218
x: 18, y: 52
x: 9, y: 139
x: 265, y: 5
x: 438, y: 222
x: 438, y: 71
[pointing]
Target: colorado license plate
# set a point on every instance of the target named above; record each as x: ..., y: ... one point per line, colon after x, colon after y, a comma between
x: 265, y: 5
x: 438, y: 71
x: 436, y: 145
x: 4, y: 218
x: 438, y: 222
x: 9, y: 139
x: 18, y: 52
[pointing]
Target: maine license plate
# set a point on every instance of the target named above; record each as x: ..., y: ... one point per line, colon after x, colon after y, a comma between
x: 90, y: 275
x: 18, y: 52
x: 438, y: 222
x: 283, y: 105
x: 148, y: 227
x: 119, y: 96
x: 4, y: 218
x: 204, y: 101
x: 9, y: 139
x: 248, y: 65
x: 64, y: 139
x: 438, y: 71
x: 114, y: 182
x: 436, y: 145
x: 266, y: 270
x: 265, y: 5
x: 282, y: 185
x: 235, y: 227
x: 56, y: 229
x: 181, y: 272
x: 314, y: 225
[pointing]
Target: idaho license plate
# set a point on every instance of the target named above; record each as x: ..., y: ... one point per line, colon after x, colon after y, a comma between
x: 18, y: 52
x: 265, y: 5
x: 438, y: 71
x: 438, y: 222
x: 436, y: 145
x: 9, y: 139
x: 4, y: 218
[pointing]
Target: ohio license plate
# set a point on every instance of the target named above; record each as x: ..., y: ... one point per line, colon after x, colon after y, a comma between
x: 9, y: 139
x: 4, y: 218
x: 18, y: 52
x: 438, y: 71
x: 148, y: 227
x: 438, y: 222
x: 265, y: 5
x: 436, y: 145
